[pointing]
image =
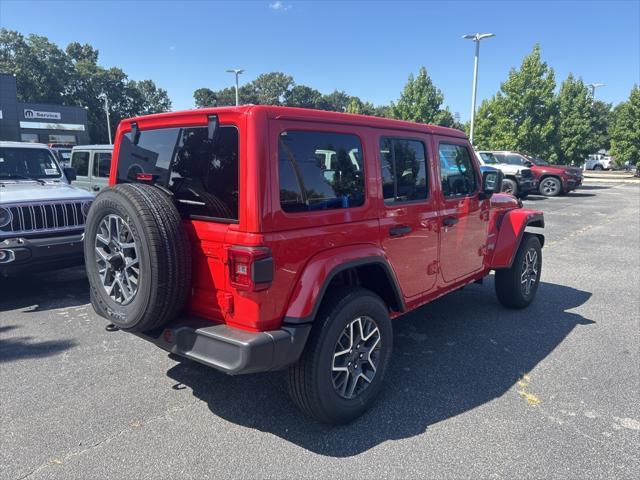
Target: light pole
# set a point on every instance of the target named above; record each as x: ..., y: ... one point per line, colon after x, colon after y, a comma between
x: 237, y: 72
x: 476, y: 38
x: 593, y: 87
x: 103, y: 97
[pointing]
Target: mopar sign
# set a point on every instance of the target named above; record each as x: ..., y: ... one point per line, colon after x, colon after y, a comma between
x: 35, y: 114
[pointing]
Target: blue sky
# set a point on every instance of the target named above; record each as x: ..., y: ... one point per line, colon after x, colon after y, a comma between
x: 365, y: 48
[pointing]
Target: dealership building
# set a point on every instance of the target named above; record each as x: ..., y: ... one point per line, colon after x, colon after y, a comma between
x: 39, y: 122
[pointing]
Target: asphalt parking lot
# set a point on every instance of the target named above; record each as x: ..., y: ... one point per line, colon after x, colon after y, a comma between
x: 474, y: 390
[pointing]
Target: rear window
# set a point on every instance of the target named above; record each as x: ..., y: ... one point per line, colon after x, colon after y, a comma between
x: 17, y: 163
x: 202, y: 174
x: 320, y: 171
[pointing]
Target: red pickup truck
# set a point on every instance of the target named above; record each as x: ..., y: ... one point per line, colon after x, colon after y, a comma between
x: 258, y: 238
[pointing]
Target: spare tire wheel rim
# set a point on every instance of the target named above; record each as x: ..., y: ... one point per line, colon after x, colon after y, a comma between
x: 355, y: 358
x: 117, y: 259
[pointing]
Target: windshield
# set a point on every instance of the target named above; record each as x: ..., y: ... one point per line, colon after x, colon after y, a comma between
x: 538, y: 161
x: 19, y: 163
x: 488, y: 158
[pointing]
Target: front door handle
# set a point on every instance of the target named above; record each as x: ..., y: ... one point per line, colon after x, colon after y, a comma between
x: 450, y: 221
x: 95, y: 188
x: 399, y: 230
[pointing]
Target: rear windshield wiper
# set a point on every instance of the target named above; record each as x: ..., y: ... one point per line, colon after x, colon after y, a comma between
x: 24, y: 177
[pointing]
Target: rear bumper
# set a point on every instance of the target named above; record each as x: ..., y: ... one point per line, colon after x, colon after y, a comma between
x: 37, y: 254
x: 229, y: 349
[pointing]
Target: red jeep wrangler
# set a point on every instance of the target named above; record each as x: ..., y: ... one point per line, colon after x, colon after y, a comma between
x: 256, y: 238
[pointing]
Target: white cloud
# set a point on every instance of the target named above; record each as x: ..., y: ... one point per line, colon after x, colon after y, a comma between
x: 278, y: 5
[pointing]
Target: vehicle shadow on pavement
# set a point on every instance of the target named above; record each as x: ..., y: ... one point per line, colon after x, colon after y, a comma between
x: 580, y: 194
x: 45, y: 291
x: 451, y: 356
x: 594, y: 187
x: 20, y: 348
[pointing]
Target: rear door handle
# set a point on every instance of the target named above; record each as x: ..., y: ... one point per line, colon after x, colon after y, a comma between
x: 399, y: 230
x: 450, y: 221
x: 95, y: 188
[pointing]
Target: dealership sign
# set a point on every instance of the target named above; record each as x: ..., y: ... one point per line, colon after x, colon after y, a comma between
x: 35, y: 114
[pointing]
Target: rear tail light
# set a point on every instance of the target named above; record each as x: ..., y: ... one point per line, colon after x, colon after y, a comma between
x: 250, y: 268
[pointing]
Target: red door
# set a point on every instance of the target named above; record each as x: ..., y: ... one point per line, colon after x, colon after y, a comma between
x: 464, y: 217
x: 408, y: 212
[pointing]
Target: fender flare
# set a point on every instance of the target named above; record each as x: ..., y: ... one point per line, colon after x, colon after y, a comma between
x: 511, y: 229
x: 318, y: 273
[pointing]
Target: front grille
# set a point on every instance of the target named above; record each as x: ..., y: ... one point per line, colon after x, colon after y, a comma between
x: 37, y: 218
x: 526, y: 173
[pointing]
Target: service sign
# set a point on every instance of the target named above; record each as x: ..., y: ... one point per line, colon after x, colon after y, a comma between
x: 28, y: 113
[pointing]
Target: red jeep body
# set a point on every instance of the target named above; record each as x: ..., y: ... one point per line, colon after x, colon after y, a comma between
x: 259, y: 279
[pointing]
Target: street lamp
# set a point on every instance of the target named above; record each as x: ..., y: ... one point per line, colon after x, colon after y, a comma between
x: 103, y: 97
x: 237, y: 72
x: 593, y: 87
x: 476, y: 38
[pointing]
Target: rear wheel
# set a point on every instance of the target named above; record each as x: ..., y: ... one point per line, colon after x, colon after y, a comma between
x: 550, y: 187
x: 598, y: 167
x: 516, y: 287
x: 342, y: 368
x: 509, y: 186
x: 137, y: 257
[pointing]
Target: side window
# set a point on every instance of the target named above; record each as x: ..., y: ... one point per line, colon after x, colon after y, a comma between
x: 320, y: 171
x: 80, y: 162
x: 514, y: 160
x: 101, y: 164
x: 457, y: 173
x: 202, y: 174
x: 403, y: 166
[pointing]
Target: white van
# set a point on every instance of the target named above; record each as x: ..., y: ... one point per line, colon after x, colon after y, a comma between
x: 92, y: 164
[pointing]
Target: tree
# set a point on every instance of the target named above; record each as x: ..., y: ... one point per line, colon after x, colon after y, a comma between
x: 336, y: 101
x: 575, y: 127
x: 600, y: 121
x: 523, y: 114
x: 271, y: 88
x: 42, y: 70
x: 205, y: 97
x: 421, y: 101
x: 625, y: 130
x: 46, y: 73
x: 303, y: 96
x: 358, y: 106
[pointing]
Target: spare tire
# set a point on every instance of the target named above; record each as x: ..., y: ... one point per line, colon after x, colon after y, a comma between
x: 138, y: 257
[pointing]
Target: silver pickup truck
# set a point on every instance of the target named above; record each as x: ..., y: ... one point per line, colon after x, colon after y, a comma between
x: 42, y: 216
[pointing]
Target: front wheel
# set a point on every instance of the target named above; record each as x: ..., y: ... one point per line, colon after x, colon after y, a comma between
x: 342, y: 368
x: 550, y: 187
x: 516, y: 287
x: 509, y: 186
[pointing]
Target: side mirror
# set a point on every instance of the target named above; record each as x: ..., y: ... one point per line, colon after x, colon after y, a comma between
x: 70, y: 173
x: 491, y: 182
x: 528, y: 164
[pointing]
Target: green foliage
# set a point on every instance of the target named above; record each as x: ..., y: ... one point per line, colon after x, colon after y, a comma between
x: 523, y: 114
x: 421, y: 101
x: 45, y: 73
x: 576, y: 137
x: 303, y: 97
x: 205, y: 97
x: 625, y: 129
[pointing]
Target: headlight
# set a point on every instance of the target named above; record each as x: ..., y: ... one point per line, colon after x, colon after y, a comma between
x: 85, y: 208
x: 5, y: 217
